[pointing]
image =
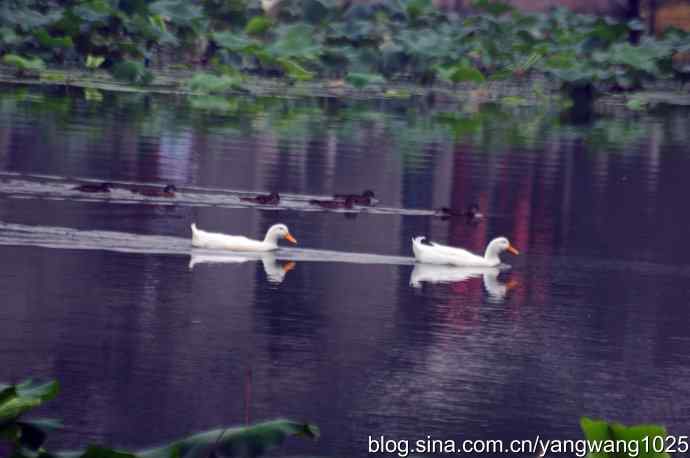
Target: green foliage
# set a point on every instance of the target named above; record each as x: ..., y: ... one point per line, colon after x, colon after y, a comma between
x: 243, y: 441
x: 213, y: 104
x: 93, y: 62
x: 461, y: 125
x: 28, y: 437
x: 417, y: 9
x: 208, y: 83
x: 258, y: 25
x: 598, y: 430
x: 24, y: 65
x: 132, y: 72
x: 48, y: 41
x: 292, y: 49
x: 93, y: 95
x: 404, y: 39
x: 361, y: 80
x: 246, y: 441
x: 295, y: 40
x: 235, y: 42
x: 461, y: 72
x: 68, y: 30
x: 180, y: 13
x: 637, y: 103
x: 29, y: 15
x: 492, y: 7
x: 15, y: 400
x: 319, y: 11
x: 514, y: 101
x: 249, y: 441
x: 294, y: 70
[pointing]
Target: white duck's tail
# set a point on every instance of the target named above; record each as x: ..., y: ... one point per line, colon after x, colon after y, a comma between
x: 416, y: 246
x: 195, y: 233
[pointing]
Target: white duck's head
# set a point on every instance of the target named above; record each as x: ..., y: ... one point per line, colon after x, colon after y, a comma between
x: 278, y: 231
x: 496, y: 247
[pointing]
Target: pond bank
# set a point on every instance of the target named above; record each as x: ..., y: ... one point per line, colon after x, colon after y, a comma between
x: 529, y: 91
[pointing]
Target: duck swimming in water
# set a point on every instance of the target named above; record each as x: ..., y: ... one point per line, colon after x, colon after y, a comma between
x: 472, y: 213
x: 168, y: 191
x: 433, y: 253
x: 214, y: 240
x: 367, y: 198
x: 101, y: 187
x: 334, y: 204
x: 266, y: 199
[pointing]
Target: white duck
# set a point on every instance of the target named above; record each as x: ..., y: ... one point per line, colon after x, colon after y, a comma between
x: 214, y: 240
x: 441, y: 254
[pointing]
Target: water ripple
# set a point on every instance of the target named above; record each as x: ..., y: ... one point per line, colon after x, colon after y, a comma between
x: 75, y: 239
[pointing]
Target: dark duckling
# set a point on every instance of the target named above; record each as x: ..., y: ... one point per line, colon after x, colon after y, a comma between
x: 367, y: 198
x: 472, y: 213
x: 101, y: 187
x: 266, y: 199
x: 334, y: 204
x: 168, y: 191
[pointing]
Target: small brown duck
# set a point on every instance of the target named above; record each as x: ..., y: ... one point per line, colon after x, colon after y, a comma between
x: 472, y: 213
x: 334, y: 204
x: 168, y: 191
x: 264, y: 199
x: 367, y: 198
x: 101, y: 187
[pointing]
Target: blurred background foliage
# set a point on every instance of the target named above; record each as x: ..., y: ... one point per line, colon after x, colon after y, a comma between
x: 365, y: 43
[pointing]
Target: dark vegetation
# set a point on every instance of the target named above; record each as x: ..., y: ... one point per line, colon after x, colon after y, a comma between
x: 26, y: 438
x: 362, y: 43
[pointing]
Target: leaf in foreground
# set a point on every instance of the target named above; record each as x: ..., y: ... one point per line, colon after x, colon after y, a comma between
x: 248, y: 441
x: 600, y: 430
x: 15, y: 400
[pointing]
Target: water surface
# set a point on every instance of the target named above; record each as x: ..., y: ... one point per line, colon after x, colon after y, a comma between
x: 152, y: 340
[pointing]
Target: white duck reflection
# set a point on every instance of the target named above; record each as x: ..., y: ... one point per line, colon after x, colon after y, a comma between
x: 434, y: 273
x: 275, y: 271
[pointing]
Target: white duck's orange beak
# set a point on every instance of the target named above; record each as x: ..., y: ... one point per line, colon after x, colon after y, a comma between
x: 512, y: 249
x: 290, y: 238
